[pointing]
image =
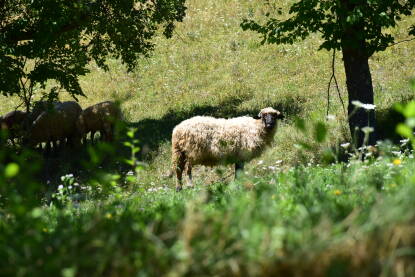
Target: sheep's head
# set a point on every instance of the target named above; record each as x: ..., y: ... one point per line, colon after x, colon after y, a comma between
x: 269, y: 117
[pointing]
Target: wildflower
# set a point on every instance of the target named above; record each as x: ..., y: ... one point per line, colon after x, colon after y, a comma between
x: 337, y: 192
x: 364, y: 106
x: 404, y: 142
x: 331, y: 117
x: 45, y: 230
x: 397, y: 162
x: 260, y: 162
x: 345, y: 145
x: 70, y: 187
x: 108, y: 215
x: 367, y: 130
x: 60, y: 187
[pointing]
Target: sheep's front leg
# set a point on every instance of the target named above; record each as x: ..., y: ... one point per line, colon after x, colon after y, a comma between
x: 239, y: 167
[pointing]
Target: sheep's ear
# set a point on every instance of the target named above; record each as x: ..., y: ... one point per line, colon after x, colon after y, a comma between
x: 259, y: 115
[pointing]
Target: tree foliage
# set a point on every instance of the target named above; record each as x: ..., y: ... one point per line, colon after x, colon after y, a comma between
x: 357, y: 27
x: 334, y: 20
x: 42, y: 40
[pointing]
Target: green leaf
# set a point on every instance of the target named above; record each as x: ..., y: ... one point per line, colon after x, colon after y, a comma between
x: 11, y: 170
x: 404, y: 130
x: 409, y: 110
x: 300, y: 124
x: 320, y: 132
x: 410, y: 122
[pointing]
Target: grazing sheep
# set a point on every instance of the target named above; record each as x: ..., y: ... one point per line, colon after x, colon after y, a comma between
x: 99, y: 117
x: 14, y: 123
x: 42, y: 106
x: 211, y: 141
x: 56, y: 124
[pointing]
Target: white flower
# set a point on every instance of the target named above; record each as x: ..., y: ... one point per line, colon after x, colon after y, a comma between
x: 345, y: 145
x: 260, y: 162
x: 367, y: 130
x: 70, y: 187
x: 60, y: 187
x: 278, y: 162
x: 363, y: 106
x: 69, y: 175
x: 331, y: 117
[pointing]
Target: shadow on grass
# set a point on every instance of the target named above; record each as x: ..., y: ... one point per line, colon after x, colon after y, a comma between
x: 85, y: 161
x: 153, y: 132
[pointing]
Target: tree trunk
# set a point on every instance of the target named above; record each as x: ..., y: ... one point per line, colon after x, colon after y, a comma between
x: 359, y: 88
x: 358, y: 78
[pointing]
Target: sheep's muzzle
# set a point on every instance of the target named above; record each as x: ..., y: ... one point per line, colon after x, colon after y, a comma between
x: 269, y: 121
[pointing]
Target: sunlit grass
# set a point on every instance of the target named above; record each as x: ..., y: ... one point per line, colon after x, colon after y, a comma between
x: 211, y: 66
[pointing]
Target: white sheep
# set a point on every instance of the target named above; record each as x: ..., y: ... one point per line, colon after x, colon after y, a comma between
x: 211, y: 141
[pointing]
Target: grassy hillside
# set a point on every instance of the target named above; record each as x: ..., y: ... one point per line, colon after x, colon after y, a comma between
x: 212, y: 67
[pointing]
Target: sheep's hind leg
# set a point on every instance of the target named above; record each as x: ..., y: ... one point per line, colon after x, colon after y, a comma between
x: 189, y: 174
x: 179, y: 167
x: 239, y: 167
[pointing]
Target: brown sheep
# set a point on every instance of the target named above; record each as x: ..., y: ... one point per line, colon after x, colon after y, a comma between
x: 14, y: 123
x: 211, y: 141
x: 56, y: 124
x: 99, y: 117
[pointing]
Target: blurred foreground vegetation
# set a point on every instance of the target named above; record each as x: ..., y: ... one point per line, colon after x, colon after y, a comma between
x: 347, y: 219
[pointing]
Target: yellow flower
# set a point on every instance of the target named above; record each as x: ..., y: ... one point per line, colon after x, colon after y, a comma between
x: 337, y: 192
x: 396, y: 162
x: 108, y: 215
x: 45, y: 230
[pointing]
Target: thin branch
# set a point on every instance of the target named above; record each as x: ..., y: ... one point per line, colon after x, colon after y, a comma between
x: 179, y: 36
x: 333, y: 76
x: 328, y: 96
x: 405, y: 40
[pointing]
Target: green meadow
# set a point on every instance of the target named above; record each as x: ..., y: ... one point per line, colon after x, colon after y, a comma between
x: 296, y: 211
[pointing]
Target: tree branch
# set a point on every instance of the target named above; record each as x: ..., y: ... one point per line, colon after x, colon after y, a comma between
x: 30, y: 34
x: 333, y: 76
x: 405, y: 40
